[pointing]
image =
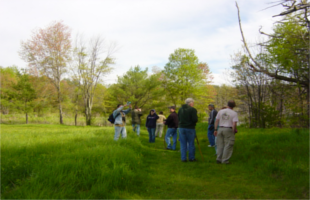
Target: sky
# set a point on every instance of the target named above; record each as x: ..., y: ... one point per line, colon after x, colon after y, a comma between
x: 145, y: 31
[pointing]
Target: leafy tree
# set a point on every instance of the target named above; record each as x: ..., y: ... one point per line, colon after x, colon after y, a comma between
x: 137, y: 87
x: 8, y: 79
x: 23, y: 94
x: 47, y: 53
x: 184, y: 76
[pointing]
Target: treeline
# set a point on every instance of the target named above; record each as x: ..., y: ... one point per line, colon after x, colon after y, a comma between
x: 270, y: 79
x: 183, y: 76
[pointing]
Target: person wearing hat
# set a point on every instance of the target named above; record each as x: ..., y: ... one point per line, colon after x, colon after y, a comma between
x: 120, y: 121
x: 211, y: 121
x: 172, y: 122
x: 151, y: 125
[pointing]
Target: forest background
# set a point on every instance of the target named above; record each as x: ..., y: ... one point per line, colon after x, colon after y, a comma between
x: 64, y: 82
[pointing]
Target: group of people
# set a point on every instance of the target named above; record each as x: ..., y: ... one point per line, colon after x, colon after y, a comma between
x: 221, y: 128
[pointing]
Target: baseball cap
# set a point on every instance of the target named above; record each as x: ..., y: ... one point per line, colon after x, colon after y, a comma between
x: 173, y: 107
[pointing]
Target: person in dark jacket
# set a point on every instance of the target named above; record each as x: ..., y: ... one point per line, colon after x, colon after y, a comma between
x: 151, y: 125
x: 172, y: 122
x: 211, y: 121
x: 187, y: 122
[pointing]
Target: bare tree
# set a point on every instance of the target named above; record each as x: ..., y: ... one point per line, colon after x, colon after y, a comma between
x: 91, y: 64
x: 47, y: 53
x: 298, y: 72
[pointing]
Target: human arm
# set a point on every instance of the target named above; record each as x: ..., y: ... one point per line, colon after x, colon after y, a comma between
x: 235, y: 121
x: 194, y: 116
x: 234, y: 127
x: 139, y: 112
x: 215, y: 126
x: 213, y: 116
x: 167, y: 122
x: 127, y: 110
x: 117, y: 111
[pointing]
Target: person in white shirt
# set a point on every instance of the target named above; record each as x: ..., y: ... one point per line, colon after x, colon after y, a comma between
x: 227, y: 120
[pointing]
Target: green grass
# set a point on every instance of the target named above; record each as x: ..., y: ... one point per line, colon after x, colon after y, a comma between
x: 52, y: 118
x: 67, y: 162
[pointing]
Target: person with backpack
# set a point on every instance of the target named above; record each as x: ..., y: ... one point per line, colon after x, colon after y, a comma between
x: 135, y: 120
x: 120, y: 120
x: 151, y: 125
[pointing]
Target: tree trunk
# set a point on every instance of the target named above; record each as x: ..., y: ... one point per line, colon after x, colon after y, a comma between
x: 26, y: 118
x: 75, y: 119
x: 88, y: 116
x: 60, y: 114
x: 59, y: 104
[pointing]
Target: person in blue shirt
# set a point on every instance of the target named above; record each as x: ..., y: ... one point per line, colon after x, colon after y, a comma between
x: 120, y: 121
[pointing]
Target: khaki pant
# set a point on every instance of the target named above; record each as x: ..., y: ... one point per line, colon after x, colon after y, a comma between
x: 159, y: 128
x: 225, y: 142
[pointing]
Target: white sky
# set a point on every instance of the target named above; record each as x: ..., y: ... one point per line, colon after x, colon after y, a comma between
x: 147, y: 31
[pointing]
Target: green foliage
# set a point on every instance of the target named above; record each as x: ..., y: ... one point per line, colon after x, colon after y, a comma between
x: 184, y: 76
x: 288, y: 48
x: 9, y: 76
x: 23, y: 93
x: 137, y: 87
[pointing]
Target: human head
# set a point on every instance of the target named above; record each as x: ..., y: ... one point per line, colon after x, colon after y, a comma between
x: 190, y: 102
x: 172, y: 108
x: 136, y: 107
x: 161, y: 112
x: 231, y: 104
x: 152, y: 112
x: 211, y: 106
x: 119, y: 105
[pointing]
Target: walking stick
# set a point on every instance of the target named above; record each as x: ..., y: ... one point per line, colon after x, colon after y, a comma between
x: 164, y: 135
x: 199, y: 147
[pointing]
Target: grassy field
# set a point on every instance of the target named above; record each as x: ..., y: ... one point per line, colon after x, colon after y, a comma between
x: 67, y: 162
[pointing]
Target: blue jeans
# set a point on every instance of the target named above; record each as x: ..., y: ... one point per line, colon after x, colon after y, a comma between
x: 136, y: 128
x: 151, y: 134
x: 119, y: 131
x: 211, y: 136
x: 187, y: 136
x: 171, y: 132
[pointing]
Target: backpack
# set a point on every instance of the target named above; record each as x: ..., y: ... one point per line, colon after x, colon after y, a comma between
x: 112, y: 119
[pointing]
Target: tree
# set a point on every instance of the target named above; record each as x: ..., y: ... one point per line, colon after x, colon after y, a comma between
x: 184, y: 76
x: 47, y: 53
x: 137, y: 87
x: 23, y: 94
x: 287, y: 55
x: 89, y: 67
x: 254, y: 90
x: 8, y: 77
